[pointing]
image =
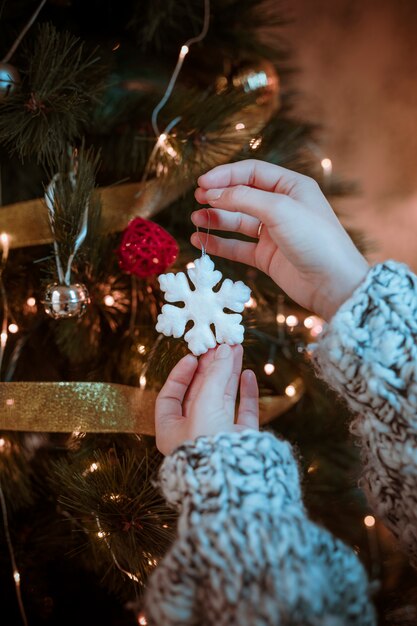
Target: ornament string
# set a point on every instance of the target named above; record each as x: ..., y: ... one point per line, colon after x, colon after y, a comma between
x: 22, y: 33
x: 204, y: 246
x: 16, y: 573
x: 65, y: 277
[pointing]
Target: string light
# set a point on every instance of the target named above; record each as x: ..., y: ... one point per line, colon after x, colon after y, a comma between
x: 312, y: 468
x: 142, y: 621
x: 109, y: 300
x: 240, y: 126
x: 116, y: 562
x: 142, y: 381
x: 327, y: 167
x: 291, y: 321
x: 269, y: 368
x: 290, y: 391
x: 255, y: 142
x: 13, y: 328
x: 31, y: 302
x: 280, y: 318
x: 16, y: 573
x: 181, y: 56
x: 93, y: 468
x: 141, y: 349
x: 369, y: 521
x: 309, y: 322
x: 5, y: 243
x: 3, y: 444
x: 184, y: 51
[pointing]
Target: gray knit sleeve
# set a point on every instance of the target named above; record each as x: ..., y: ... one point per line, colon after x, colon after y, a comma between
x: 368, y: 354
x: 246, y: 554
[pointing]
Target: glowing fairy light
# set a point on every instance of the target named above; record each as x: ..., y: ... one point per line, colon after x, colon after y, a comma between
x: 280, y: 318
x: 142, y: 381
x: 16, y: 576
x: 291, y: 321
x: 369, y: 521
x: 255, y: 142
x: 31, y: 302
x: 184, y: 51
x: 141, y: 349
x: 290, y: 391
x: 190, y: 265
x: 3, y: 339
x: 327, y: 165
x: 142, y: 621
x: 309, y: 322
x: 251, y: 303
x: 10, y: 402
x: 3, y: 444
x: 269, y: 368
x: 109, y: 300
x: 13, y: 328
x: 240, y: 126
x: 4, y: 239
x: 101, y: 534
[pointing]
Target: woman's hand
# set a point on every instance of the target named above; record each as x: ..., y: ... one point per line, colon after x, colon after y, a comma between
x: 199, y: 398
x: 302, y: 245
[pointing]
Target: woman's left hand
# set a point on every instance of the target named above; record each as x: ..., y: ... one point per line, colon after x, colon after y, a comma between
x: 199, y: 398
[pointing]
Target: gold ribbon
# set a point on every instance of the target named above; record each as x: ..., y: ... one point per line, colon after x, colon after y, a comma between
x: 94, y: 407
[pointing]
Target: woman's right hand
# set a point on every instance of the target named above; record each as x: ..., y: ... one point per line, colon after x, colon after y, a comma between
x: 302, y: 245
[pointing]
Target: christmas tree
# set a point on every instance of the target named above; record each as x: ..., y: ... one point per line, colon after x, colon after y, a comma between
x: 108, y: 114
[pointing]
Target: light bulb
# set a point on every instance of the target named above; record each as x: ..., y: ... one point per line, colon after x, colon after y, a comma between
x: 280, y: 318
x: 108, y: 300
x: 309, y: 322
x: 327, y: 165
x: 290, y: 391
x: 269, y: 368
x: 240, y: 126
x: 369, y: 521
x: 13, y: 328
x: 31, y: 301
x: 184, y: 51
x: 292, y: 321
x: 142, y: 381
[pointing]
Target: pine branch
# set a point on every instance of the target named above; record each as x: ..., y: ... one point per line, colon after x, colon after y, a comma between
x: 52, y: 107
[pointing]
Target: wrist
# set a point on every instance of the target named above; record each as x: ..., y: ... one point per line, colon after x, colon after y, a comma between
x: 340, y: 286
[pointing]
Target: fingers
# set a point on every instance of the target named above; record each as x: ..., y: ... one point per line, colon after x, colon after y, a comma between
x: 264, y: 206
x: 240, y: 251
x: 217, y: 378
x: 227, y: 221
x: 248, y: 414
x: 254, y: 173
x: 203, y: 364
x: 171, y: 396
x: 233, y: 384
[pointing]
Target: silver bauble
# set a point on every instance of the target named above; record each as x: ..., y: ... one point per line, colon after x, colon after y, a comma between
x: 64, y: 301
x: 9, y: 79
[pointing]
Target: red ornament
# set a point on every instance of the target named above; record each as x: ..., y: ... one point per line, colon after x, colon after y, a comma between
x: 146, y: 248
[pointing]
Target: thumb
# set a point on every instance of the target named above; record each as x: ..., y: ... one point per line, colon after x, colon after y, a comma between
x: 213, y: 389
x: 248, y: 414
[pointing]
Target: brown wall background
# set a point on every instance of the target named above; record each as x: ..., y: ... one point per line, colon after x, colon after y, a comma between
x: 358, y: 75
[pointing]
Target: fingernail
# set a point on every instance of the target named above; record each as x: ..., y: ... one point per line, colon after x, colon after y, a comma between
x: 223, y: 351
x: 196, y: 217
x: 213, y: 194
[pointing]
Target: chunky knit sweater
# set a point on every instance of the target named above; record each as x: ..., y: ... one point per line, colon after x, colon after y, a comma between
x: 246, y: 553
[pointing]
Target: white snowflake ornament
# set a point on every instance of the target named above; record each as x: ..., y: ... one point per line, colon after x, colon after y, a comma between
x: 203, y: 306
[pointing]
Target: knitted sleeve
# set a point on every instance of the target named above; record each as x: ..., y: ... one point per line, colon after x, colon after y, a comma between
x: 368, y: 354
x: 246, y: 554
